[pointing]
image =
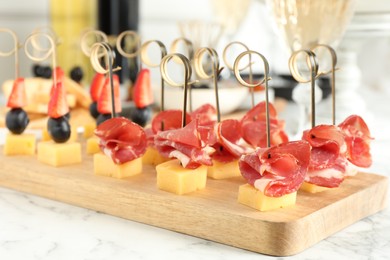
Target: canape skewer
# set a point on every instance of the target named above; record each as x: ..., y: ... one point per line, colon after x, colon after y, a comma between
x: 103, y: 49
x: 264, y: 81
x: 145, y: 59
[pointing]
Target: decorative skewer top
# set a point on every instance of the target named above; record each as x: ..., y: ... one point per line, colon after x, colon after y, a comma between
x: 187, y: 77
x: 86, y: 45
x: 131, y: 44
x: 264, y: 81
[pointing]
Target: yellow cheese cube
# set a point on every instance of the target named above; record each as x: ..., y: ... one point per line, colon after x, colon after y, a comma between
x: 221, y: 170
x: 59, y: 154
x: 93, y: 145
x: 23, y: 144
x: 103, y: 165
x: 252, y: 197
x: 312, y: 188
x: 172, y: 177
x: 73, y: 134
x: 153, y: 157
x: 88, y: 129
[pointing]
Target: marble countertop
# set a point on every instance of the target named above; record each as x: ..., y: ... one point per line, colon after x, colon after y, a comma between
x: 35, y: 228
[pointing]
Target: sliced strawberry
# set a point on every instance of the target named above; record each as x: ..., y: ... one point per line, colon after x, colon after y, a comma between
x: 96, y: 86
x: 142, y: 90
x: 104, y: 103
x: 59, y: 73
x: 58, y: 105
x: 17, y: 98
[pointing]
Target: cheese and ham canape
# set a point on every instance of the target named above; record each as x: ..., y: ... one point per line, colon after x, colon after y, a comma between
x: 122, y: 143
x: 189, y: 145
x: 274, y: 175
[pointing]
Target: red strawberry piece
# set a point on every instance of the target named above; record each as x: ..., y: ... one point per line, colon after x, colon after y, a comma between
x: 142, y: 90
x: 59, y: 73
x: 97, y: 86
x: 58, y: 105
x: 17, y: 98
x: 104, y: 103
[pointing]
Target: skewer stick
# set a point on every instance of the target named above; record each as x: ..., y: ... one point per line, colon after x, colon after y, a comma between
x: 145, y: 59
x: 189, y: 48
x: 14, y: 51
x: 103, y: 49
x: 249, y: 65
x: 253, y: 85
x: 332, y: 71
x: 35, y: 40
x: 311, y: 62
x: 133, y: 43
x: 187, y: 78
x: 216, y: 70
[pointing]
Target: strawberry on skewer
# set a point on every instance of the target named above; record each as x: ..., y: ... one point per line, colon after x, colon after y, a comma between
x: 16, y: 118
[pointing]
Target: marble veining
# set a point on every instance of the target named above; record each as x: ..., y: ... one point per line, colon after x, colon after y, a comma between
x: 32, y: 227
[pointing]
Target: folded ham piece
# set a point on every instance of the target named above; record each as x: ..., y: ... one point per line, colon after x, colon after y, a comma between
x: 358, y: 140
x: 253, y: 125
x: 121, y: 139
x: 189, y: 144
x: 278, y: 170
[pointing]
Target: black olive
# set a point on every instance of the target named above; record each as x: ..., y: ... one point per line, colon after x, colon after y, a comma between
x: 37, y: 70
x: 77, y: 74
x: 59, y: 129
x: 46, y: 72
x: 200, y: 86
x: 16, y: 120
x: 102, y: 117
x: 93, y: 110
x: 141, y: 116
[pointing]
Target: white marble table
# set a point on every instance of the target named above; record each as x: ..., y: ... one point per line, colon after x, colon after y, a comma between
x: 35, y: 228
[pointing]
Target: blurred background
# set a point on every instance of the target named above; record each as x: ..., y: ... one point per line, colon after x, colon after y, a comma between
x: 248, y: 21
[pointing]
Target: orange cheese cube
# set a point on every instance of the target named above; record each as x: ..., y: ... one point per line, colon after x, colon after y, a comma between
x: 312, y: 188
x: 172, y: 177
x: 153, y: 157
x: 103, y: 165
x: 221, y: 170
x: 93, y: 145
x: 252, y: 197
x: 23, y: 144
x: 89, y: 129
x: 59, y: 154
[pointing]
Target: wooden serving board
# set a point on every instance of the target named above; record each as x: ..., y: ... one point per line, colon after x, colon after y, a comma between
x: 212, y: 213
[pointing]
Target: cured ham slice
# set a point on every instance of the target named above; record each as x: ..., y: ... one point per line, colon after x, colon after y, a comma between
x: 253, y: 126
x: 206, y: 114
x: 328, y: 163
x: 358, y: 140
x: 168, y: 120
x: 121, y: 139
x: 278, y: 170
x: 188, y: 144
x: 230, y: 145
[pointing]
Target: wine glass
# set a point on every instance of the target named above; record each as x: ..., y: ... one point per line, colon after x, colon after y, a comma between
x: 304, y: 24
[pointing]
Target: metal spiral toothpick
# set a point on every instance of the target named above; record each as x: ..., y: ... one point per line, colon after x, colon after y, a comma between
x: 41, y: 53
x: 14, y: 51
x: 331, y: 71
x: 145, y: 59
x: 97, y: 35
x: 200, y: 55
x: 187, y: 78
x: 315, y: 72
x: 103, y: 49
x: 264, y: 81
x: 312, y: 63
x: 249, y: 65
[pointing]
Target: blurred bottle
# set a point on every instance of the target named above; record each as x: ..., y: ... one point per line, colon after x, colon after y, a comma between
x: 69, y: 19
x: 114, y: 17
